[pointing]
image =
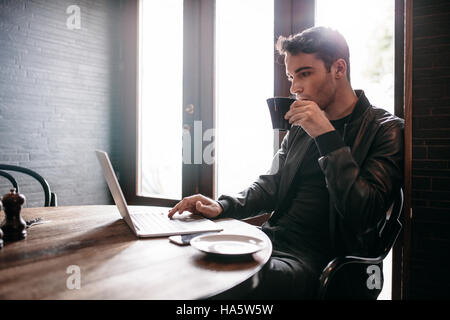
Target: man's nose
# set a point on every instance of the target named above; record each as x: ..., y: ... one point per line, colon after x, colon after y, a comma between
x: 296, y: 88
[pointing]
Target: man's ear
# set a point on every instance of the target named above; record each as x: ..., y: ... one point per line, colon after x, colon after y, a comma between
x: 340, y: 68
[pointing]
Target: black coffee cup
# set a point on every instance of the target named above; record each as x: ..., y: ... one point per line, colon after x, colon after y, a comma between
x: 278, y: 106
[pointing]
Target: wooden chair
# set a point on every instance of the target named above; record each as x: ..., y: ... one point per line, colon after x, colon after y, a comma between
x: 50, y: 199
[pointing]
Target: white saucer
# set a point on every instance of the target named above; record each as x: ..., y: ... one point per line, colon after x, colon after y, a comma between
x: 228, y: 244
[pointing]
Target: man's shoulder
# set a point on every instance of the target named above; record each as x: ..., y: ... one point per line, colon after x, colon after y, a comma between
x: 386, y: 127
x: 386, y: 119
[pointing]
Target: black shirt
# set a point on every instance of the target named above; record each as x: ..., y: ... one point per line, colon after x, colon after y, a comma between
x: 303, y: 229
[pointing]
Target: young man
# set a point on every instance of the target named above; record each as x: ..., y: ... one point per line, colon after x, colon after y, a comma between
x: 338, y: 169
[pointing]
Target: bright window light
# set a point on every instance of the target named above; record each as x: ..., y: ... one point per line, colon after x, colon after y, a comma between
x: 368, y: 27
x: 160, y: 99
x: 244, y: 80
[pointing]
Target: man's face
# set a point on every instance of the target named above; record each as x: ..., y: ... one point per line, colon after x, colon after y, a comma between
x: 310, y: 79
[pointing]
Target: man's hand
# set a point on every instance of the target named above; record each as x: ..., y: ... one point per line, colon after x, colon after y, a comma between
x: 310, y: 117
x: 198, y: 204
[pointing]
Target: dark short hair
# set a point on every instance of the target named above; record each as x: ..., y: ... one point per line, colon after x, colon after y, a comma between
x: 328, y: 45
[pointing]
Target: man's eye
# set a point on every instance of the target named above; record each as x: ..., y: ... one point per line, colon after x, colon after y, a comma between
x: 305, y: 74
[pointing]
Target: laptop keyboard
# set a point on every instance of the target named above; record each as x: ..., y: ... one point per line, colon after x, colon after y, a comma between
x: 157, y: 223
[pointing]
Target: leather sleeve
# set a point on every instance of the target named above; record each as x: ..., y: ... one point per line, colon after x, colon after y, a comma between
x: 262, y: 194
x: 361, y: 195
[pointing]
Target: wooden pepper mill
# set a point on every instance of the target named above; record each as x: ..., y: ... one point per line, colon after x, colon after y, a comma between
x: 14, y: 227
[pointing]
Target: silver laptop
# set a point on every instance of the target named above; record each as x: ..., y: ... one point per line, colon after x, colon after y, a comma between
x: 154, y: 221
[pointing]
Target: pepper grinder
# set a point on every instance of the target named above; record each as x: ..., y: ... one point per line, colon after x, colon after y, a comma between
x: 1, y: 232
x: 14, y: 227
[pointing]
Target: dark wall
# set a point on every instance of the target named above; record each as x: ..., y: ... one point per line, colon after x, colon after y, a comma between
x: 430, y: 260
x: 58, y: 94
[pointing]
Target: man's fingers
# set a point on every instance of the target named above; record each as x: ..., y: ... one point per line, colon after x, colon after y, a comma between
x: 299, y: 117
x: 295, y: 110
x: 173, y: 210
x: 299, y: 104
x: 178, y: 208
x: 196, y: 202
x: 187, y: 203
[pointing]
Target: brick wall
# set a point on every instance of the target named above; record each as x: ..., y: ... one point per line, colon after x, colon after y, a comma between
x: 430, y: 260
x: 58, y: 97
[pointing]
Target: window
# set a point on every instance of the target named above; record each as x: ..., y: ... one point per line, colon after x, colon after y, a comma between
x: 200, y: 87
x: 160, y: 99
x: 368, y: 27
x: 244, y: 80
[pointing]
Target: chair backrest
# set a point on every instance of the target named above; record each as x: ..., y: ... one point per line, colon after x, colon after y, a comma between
x: 49, y: 197
x: 392, y: 226
x: 11, y: 179
x: 346, y: 276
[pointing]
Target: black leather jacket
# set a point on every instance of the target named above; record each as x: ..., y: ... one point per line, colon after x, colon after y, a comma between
x: 361, y: 178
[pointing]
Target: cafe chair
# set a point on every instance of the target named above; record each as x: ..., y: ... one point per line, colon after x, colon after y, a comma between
x: 347, y: 277
x: 258, y: 220
x: 50, y: 199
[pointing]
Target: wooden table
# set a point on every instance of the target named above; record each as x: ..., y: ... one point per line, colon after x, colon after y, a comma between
x: 113, y: 263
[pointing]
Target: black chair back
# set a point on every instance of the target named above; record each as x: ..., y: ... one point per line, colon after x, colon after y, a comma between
x: 392, y: 227
x: 337, y: 282
x: 50, y: 199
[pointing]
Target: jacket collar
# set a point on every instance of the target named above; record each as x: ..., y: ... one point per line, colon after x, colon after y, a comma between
x: 360, y: 107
